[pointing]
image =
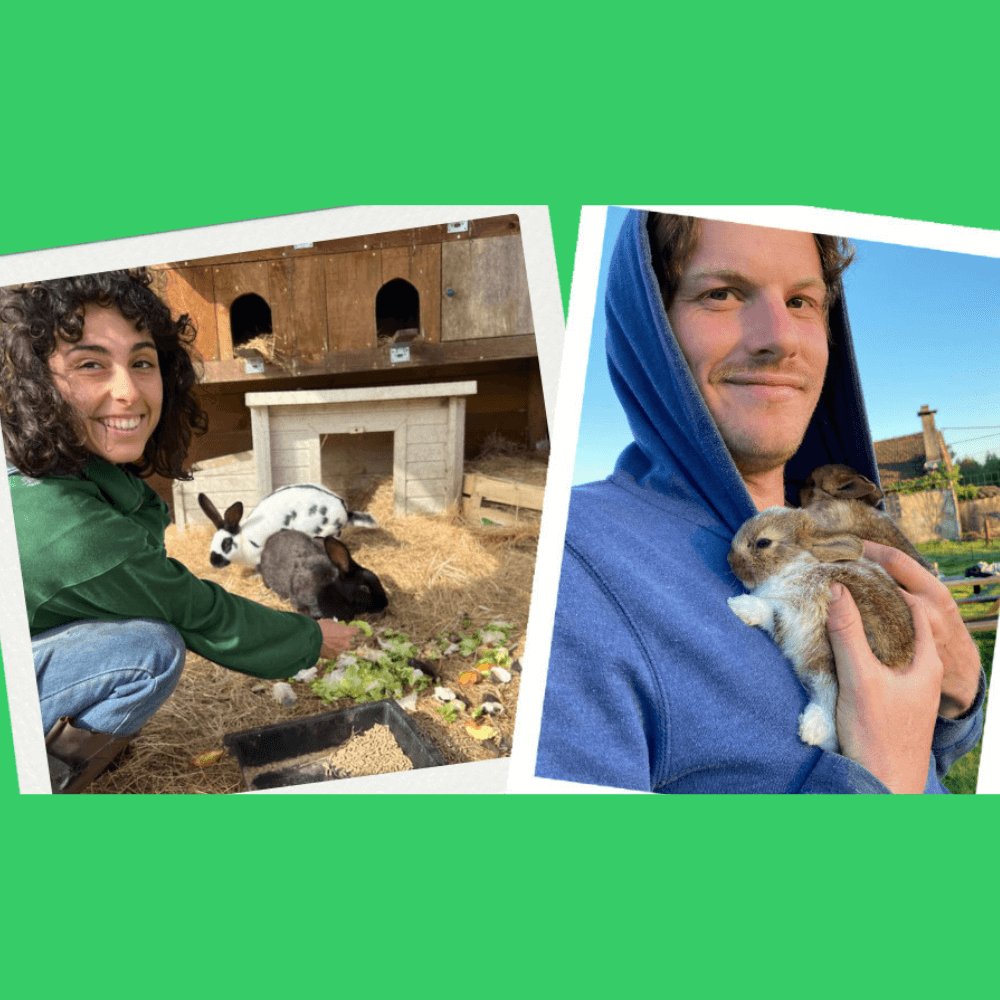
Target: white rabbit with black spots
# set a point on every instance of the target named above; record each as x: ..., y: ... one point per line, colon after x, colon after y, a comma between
x: 311, y: 509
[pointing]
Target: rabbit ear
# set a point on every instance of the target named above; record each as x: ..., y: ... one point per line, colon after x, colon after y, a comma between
x: 209, y: 508
x: 854, y: 486
x: 834, y: 548
x: 337, y: 552
x: 232, y: 518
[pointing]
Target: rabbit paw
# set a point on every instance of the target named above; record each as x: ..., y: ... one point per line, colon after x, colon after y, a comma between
x: 816, y: 728
x: 749, y: 609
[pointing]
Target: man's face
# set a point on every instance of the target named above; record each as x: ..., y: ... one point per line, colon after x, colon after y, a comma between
x: 749, y: 317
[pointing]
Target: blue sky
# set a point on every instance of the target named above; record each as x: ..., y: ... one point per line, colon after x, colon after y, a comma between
x: 926, y: 327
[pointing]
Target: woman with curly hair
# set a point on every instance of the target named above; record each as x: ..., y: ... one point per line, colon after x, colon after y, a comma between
x: 96, y: 386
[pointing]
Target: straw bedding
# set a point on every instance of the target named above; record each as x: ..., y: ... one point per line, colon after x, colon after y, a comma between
x: 439, y: 571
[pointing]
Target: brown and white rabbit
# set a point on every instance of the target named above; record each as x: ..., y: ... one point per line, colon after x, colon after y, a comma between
x: 840, y: 499
x: 788, y: 566
x: 319, y: 576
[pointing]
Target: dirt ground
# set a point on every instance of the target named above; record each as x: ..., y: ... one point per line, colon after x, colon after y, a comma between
x: 442, y: 575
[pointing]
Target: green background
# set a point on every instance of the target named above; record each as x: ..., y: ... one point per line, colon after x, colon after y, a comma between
x: 120, y: 120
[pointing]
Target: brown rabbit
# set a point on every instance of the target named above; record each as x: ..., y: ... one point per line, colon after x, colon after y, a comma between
x: 841, y: 500
x: 788, y: 565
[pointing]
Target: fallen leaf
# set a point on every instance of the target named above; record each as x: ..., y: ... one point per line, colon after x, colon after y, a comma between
x: 481, y: 732
x: 206, y: 759
x: 468, y: 677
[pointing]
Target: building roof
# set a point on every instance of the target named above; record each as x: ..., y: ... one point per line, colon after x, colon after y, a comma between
x: 904, y: 457
x: 900, y: 458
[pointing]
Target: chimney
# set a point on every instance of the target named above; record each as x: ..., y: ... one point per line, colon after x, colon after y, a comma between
x: 932, y: 440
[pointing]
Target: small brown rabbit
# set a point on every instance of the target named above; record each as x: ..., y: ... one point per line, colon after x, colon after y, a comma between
x: 788, y: 566
x: 841, y: 500
x: 839, y: 482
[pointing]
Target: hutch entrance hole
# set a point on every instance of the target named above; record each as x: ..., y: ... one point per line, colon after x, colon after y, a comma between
x: 249, y: 317
x: 397, y: 307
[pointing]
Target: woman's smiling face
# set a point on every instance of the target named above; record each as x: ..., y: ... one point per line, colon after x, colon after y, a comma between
x: 111, y: 377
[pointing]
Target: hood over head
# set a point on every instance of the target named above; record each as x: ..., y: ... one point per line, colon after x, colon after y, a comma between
x: 678, y: 450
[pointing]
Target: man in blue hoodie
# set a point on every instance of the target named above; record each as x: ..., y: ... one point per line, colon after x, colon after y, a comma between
x: 730, y: 350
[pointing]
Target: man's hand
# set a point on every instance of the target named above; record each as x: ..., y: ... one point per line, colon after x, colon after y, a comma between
x: 336, y: 637
x: 957, y: 649
x: 885, y: 717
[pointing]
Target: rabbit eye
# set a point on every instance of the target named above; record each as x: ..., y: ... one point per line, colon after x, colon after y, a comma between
x: 763, y: 543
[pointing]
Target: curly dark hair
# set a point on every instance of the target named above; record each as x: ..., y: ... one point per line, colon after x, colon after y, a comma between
x: 41, y: 431
x: 673, y: 240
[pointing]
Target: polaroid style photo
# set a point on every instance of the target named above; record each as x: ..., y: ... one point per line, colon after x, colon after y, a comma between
x: 725, y: 342
x: 362, y: 401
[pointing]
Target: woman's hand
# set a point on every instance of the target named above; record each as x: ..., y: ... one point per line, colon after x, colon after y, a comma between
x: 336, y: 637
x: 885, y: 717
x: 955, y: 646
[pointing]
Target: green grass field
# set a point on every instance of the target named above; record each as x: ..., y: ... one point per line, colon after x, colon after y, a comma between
x: 953, y: 558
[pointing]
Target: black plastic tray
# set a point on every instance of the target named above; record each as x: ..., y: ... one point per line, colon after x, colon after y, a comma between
x: 273, y: 745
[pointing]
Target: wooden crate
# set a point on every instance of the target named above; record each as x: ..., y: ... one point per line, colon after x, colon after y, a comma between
x: 476, y: 488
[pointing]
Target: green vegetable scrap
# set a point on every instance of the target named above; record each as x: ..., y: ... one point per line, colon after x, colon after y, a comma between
x: 389, y: 675
x: 363, y: 626
x: 449, y: 711
x: 493, y: 634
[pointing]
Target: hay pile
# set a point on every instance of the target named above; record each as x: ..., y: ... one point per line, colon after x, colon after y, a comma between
x: 438, y: 571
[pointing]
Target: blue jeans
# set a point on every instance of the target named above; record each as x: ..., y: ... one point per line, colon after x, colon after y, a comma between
x: 109, y: 677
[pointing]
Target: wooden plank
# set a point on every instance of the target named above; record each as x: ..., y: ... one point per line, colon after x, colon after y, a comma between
x: 298, y: 291
x: 490, y: 287
x: 428, y: 489
x: 455, y: 446
x: 420, y: 265
x: 430, y: 433
x: 504, y: 491
x: 444, y: 355
x: 232, y: 281
x: 498, y: 225
x: 427, y: 470
x: 981, y: 625
x: 190, y: 290
x: 260, y: 424
x: 951, y: 582
x: 321, y: 397
x: 976, y: 598
x: 399, y: 450
x: 352, y: 282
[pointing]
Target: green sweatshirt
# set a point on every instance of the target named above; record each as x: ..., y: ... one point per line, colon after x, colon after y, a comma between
x: 92, y: 547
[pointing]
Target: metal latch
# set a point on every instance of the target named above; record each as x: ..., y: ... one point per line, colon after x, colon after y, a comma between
x: 254, y: 366
x: 400, y: 353
x: 458, y: 227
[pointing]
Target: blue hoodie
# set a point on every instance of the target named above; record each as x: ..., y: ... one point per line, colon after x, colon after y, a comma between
x: 653, y: 683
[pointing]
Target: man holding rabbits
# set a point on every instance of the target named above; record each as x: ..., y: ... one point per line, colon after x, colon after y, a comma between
x: 730, y: 349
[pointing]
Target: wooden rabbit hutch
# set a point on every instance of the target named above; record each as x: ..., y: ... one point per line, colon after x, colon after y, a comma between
x: 433, y: 321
